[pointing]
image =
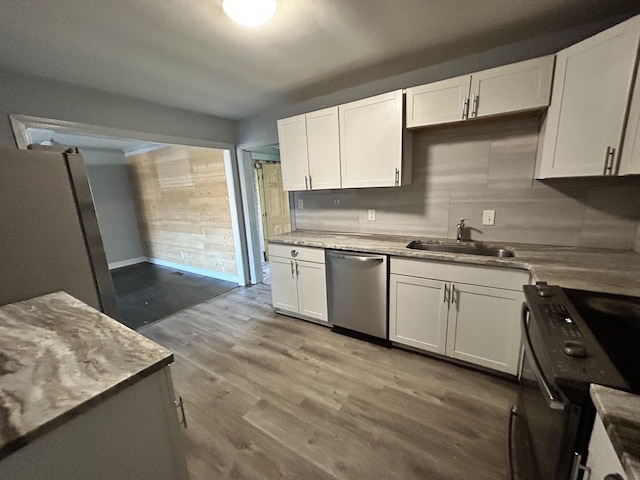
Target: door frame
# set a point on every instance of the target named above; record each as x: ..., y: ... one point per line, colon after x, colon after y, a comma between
x: 21, y: 123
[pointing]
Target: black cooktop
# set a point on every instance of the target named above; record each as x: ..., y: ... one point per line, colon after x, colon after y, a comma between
x: 614, y: 320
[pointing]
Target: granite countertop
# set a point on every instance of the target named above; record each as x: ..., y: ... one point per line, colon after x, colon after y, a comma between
x: 601, y: 270
x: 620, y: 414
x: 58, y: 358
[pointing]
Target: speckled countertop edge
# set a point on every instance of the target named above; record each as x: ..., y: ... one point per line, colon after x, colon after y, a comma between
x: 620, y: 414
x: 595, y: 269
x: 14, y: 433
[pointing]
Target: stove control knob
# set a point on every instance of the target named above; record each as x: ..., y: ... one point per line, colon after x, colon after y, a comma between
x: 544, y: 290
x: 574, y: 349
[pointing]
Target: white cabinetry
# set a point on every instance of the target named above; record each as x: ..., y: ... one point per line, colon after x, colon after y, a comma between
x: 510, y: 88
x: 310, y: 150
x: 603, y: 460
x: 133, y: 434
x: 298, y: 281
x: 464, y: 312
x: 374, y: 148
x: 592, y: 85
x: 630, y: 155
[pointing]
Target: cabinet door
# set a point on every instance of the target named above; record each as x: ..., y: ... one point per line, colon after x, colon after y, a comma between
x: 603, y: 459
x: 511, y: 88
x: 292, y: 135
x: 284, y: 290
x: 312, y: 289
x: 418, y: 310
x: 323, y: 142
x: 591, y: 90
x: 371, y: 141
x: 438, y: 102
x: 484, y: 326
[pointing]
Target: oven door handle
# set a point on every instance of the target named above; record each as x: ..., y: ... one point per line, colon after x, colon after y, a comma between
x: 553, y: 399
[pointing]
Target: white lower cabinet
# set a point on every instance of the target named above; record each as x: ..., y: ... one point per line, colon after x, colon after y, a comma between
x: 603, y: 462
x: 298, y: 281
x: 464, y: 312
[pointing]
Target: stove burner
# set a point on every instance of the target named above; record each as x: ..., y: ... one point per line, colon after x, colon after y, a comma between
x: 614, y: 306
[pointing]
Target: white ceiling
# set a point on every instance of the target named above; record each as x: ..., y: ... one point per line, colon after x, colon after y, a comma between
x: 188, y: 54
x: 47, y: 136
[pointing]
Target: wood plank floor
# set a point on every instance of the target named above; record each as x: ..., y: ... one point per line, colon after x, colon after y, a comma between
x: 268, y: 396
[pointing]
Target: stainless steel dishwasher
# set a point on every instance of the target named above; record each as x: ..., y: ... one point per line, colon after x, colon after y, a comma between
x: 357, y: 292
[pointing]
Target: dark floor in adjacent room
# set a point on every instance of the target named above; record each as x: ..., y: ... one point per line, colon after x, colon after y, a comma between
x: 146, y: 293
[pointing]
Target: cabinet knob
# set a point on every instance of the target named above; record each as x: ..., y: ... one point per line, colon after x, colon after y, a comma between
x: 294, y: 253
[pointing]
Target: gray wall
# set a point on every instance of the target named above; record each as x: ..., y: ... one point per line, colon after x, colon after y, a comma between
x: 460, y: 171
x: 111, y: 190
x: 28, y: 95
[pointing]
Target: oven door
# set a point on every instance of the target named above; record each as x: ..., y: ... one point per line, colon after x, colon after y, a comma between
x: 545, y: 424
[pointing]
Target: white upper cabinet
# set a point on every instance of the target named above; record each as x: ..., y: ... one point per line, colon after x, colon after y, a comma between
x: 438, y: 102
x: 323, y: 146
x: 371, y: 142
x: 583, y: 130
x: 294, y: 158
x: 310, y: 150
x: 510, y: 88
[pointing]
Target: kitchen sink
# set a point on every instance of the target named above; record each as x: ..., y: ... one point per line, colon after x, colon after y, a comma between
x: 464, y: 248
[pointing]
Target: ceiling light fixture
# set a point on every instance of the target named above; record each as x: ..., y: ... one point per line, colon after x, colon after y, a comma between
x: 250, y: 13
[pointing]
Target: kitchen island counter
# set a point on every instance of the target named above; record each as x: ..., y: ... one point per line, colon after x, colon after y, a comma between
x: 600, y: 270
x: 58, y: 359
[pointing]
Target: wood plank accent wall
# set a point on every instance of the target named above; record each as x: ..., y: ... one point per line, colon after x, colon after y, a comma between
x: 183, y: 207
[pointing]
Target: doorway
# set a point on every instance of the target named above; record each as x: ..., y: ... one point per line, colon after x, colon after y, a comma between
x: 272, y: 202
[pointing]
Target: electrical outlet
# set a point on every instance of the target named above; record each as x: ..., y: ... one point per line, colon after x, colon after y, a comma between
x: 181, y: 254
x: 371, y: 215
x: 488, y: 217
x: 300, y: 204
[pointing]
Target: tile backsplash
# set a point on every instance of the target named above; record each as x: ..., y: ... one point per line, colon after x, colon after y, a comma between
x: 463, y: 170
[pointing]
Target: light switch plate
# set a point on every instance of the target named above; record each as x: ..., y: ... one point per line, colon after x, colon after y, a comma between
x: 371, y: 215
x: 488, y: 217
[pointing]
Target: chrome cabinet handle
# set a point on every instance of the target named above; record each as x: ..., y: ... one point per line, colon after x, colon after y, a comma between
x: 446, y: 294
x: 513, y: 412
x: 465, y: 108
x: 306, y: 183
x: 608, y: 161
x: 552, y: 398
x: 474, y: 101
x: 180, y: 404
x: 397, y: 177
x: 297, y: 271
x: 291, y: 268
x: 454, y: 292
x: 310, y: 183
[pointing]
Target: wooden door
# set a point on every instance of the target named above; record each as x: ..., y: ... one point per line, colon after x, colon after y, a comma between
x: 275, y: 207
x: 511, y: 88
x: 418, y: 309
x: 438, y: 102
x: 292, y: 135
x: 484, y: 328
x: 591, y: 90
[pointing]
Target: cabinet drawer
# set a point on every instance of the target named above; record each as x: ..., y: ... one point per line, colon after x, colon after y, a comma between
x: 506, y: 278
x: 297, y: 252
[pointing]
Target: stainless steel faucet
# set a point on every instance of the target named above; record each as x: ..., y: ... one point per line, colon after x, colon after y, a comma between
x: 460, y: 229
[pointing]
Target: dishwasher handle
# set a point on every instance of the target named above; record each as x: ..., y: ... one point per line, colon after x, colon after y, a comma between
x: 355, y: 258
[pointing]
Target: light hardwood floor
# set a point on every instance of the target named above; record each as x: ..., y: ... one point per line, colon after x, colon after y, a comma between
x: 268, y: 396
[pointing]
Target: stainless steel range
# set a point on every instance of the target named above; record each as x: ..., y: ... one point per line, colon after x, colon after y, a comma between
x: 572, y: 338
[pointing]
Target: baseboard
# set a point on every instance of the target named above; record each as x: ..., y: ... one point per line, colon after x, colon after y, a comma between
x: 126, y: 263
x: 196, y: 270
